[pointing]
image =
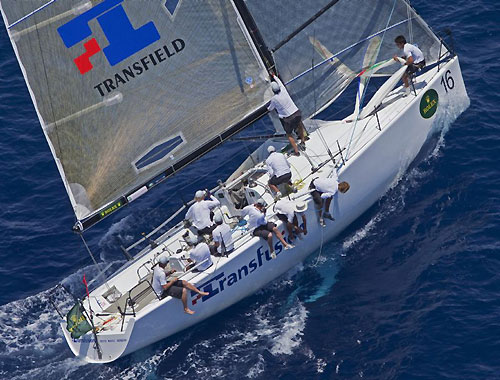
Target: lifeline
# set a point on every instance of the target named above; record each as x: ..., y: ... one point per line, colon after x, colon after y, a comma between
x: 141, y: 66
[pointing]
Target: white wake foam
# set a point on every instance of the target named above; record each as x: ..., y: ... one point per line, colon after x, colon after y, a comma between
x: 289, y: 336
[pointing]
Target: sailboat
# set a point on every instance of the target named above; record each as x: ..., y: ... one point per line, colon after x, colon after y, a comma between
x: 130, y: 92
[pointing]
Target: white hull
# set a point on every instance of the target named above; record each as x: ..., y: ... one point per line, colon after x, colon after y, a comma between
x: 375, y: 165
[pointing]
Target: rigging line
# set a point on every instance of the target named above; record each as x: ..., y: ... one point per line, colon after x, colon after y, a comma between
x: 93, y: 259
x: 366, y: 86
x: 346, y: 49
x: 318, y: 129
x: 245, y: 144
x: 410, y: 24
x: 300, y: 177
x: 156, y: 207
x: 305, y: 25
x: 191, y: 183
x: 31, y: 14
x: 320, y: 248
x: 57, y: 159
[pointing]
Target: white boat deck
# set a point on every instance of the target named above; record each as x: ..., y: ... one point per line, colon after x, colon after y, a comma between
x: 331, y: 133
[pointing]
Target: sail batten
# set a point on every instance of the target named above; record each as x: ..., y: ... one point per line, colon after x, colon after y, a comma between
x: 113, y: 80
x: 30, y: 14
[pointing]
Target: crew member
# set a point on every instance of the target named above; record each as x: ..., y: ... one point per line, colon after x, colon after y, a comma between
x: 199, y: 254
x: 257, y: 221
x: 414, y: 60
x: 278, y: 169
x: 289, y: 212
x: 323, y: 190
x: 289, y: 114
x: 199, y: 212
x: 222, y: 237
x: 175, y: 288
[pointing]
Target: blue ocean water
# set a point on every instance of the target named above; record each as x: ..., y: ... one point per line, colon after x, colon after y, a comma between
x: 410, y: 291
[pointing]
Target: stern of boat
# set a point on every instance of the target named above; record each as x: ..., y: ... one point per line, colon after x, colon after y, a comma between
x: 111, y: 345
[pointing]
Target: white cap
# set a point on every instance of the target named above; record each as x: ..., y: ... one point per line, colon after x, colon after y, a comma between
x: 218, y: 218
x: 326, y: 195
x: 192, y: 238
x: 199, y: 194
x: 301, y: 206
x: 163, y: 260
x: 271, y: 149
x: 275, y: 87
x: 260, y: 201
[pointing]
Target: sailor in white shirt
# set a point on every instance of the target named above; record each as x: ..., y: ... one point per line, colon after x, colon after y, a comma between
x: 175, y: 288
x: 289, y: 212
x: 289, y: 114
x: 323, y: 190
x: 222, y: 238
x: 199, y: 213
x: 199, y: 254
x: 415, y: 59
x: 278, y: 169
x: 257, y: 222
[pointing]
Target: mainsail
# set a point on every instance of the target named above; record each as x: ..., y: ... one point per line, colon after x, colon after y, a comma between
x: 127, y: 91
x: 319, y: 46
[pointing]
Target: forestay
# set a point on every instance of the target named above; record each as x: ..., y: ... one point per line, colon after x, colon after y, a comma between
x: 127, y: 90
x: 333, y: 38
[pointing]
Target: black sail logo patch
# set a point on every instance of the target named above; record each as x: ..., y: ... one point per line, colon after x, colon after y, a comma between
x: 429, y: 104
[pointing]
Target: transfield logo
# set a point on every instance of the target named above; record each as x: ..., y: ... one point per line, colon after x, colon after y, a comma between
x: 123, y: 39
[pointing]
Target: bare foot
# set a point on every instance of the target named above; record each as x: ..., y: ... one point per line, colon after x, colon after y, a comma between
x: 188, y: 311
x: 203, y: 293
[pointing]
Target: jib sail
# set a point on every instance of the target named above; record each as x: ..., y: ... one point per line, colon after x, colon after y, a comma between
x: 320, y: 46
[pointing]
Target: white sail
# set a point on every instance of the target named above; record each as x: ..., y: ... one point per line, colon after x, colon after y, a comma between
x: 382, y: 92
x: 368, y: 61
x: 127, y: 90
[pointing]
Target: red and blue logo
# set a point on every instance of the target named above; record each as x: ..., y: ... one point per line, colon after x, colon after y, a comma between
x: 123, y: 39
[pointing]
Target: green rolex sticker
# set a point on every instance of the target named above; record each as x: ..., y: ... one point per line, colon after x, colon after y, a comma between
x: 429, y: 104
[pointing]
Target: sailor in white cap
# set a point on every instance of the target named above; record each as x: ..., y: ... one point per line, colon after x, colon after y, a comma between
x: 289, y: 114
x: 222, y: 237
x: 289, y: 212
x: 200, y: 253
x: 261, y: 227
x: 199, y: 212
x: 175, y: 288
x: 278, y: 169
x: 323, y: 190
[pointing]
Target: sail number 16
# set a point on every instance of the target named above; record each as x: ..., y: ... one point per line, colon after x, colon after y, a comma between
x: 447, y: 81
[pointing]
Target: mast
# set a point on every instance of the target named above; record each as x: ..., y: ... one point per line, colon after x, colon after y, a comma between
x: 254, y: 32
